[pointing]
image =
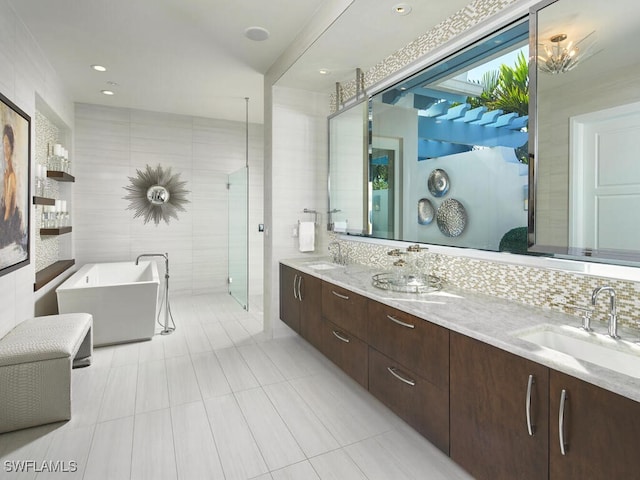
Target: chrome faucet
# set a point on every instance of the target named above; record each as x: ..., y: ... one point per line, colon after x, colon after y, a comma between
x: 163, y: 255
x: 613, y: 314
x: 338, y: 258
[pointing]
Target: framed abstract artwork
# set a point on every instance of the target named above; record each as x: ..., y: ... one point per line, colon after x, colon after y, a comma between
x: 14, y: 190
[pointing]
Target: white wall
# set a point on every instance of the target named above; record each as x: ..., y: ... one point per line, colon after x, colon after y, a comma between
x: 295, y: 179
x: 25, y: 73
x: 112, y: 143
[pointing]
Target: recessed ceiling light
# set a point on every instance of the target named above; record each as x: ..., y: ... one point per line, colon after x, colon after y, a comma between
x: 257, y: 34
x: 107, y: 92
x: 99, y: 68
x: 402, y: 9
x: 324, y: 71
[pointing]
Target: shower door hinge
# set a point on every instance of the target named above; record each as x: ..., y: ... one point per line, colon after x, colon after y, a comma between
x: 228, y: 186
x: 229, y: 280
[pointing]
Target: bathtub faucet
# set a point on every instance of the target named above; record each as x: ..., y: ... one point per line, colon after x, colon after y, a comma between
x: 163, y: 255
x: 167, y: 309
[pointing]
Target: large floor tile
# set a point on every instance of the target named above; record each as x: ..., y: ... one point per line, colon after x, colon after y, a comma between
x: 196, y: 453
x: 236, y: 370
x: 183, y: 386
x: 239, y: 453
x: 152, y: 392
x: 110, y: 453
x: 274, y: 439
x: 153, y: 456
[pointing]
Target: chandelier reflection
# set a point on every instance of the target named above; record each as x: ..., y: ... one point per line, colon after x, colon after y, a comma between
x: 562, y: 55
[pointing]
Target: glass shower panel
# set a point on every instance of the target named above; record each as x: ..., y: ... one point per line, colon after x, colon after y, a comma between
x: 238, y: 236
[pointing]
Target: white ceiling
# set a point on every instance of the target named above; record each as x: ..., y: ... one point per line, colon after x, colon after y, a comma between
x: 191, y: 56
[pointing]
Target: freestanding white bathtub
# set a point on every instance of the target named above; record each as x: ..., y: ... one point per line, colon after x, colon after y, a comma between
x: 122, y: 297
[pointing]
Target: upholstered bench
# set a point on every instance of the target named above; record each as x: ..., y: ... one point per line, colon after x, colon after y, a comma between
x: 36, y: 359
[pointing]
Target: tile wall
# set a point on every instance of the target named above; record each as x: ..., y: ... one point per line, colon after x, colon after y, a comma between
x: 111, y: 144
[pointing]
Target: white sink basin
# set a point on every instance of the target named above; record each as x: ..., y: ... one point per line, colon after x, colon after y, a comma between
x: 619, y: 355
x: 322, y: 265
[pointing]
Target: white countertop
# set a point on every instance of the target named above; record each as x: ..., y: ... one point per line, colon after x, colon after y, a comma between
x: 488, y: 319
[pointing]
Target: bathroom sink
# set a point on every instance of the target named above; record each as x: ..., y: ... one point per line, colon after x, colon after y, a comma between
x: 323, y: 265
x: 618, y: 355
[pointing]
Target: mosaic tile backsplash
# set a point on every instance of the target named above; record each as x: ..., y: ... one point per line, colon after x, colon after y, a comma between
x: 540, y: 287
x: 48, y: 247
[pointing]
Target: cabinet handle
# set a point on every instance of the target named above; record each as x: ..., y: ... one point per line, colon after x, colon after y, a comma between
x: 563, y: 400
x: 344, y: 297
x: 394, y: 371
x: 399, y: 322
x: 531, y: 428
x: 295, y: 292
x: 340, y: 337
x: 299, y: 289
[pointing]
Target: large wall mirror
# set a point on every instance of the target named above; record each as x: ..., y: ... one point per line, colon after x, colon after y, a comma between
x: 521, y: 142
x: 585, y: 135
x: 447, y: 160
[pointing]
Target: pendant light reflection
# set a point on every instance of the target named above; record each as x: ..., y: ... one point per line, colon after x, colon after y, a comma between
x: 563, y: 54
x: 155, y: 194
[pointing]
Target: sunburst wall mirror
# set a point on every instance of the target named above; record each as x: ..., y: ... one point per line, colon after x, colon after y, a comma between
x: 155, y: 194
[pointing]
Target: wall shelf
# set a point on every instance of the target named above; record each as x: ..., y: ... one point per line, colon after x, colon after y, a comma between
x: 60, y: 176
x: 43, y: 201
x: 55, y: 231
x: 49, y: 273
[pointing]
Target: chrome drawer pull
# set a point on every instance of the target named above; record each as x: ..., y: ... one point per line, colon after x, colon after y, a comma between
x: 399, y: 322
x: 344, y: 297
x: 340, y: 337
x: 531, y: 428
x: 394, y: 371
x: 295, y: 292
x: 563, y: 400
x: 299, y: 288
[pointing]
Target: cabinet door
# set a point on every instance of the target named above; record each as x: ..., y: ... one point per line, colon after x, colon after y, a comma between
x: 346, y: 309
x: 289, y: 301
x: 601, y: 432
x: 311, y: 309
x: 347, y: 351
x: 415, y: 343
x: 420, y: 403
x: 488, y: 392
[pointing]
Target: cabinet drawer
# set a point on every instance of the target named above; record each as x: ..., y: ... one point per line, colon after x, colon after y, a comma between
x: 420, y: 403
x: 347, y: 351
x: 346, y: 309
x: 416, y: 344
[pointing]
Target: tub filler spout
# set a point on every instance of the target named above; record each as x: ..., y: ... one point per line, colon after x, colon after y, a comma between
x: 166, y: 330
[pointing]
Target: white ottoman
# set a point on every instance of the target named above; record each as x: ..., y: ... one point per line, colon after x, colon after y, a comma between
x: 36, y: 358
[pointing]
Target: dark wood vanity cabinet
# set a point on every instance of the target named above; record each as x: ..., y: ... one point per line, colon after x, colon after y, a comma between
x: 345, y: 331
x: 300, y: 297
x: 409, y: 370
x: 347, y: 351
x: 346, y: 309
x: 601, y: 432
x: 489, y: 395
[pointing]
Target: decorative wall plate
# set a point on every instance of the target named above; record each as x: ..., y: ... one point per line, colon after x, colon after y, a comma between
x: 451, y: 218
x: 426, y: 212
x: 438, y: 183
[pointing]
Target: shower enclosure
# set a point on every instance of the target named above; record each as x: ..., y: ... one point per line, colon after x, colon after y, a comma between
x: 238, y: 187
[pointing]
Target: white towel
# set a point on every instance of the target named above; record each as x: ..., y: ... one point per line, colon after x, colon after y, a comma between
x: 306, y: 236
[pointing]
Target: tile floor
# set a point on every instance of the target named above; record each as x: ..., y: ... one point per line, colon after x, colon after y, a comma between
x: 215, y: 400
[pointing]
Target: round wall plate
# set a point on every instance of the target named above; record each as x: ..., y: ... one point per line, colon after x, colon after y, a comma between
x: 451, y: 218
x: 438, y: 183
